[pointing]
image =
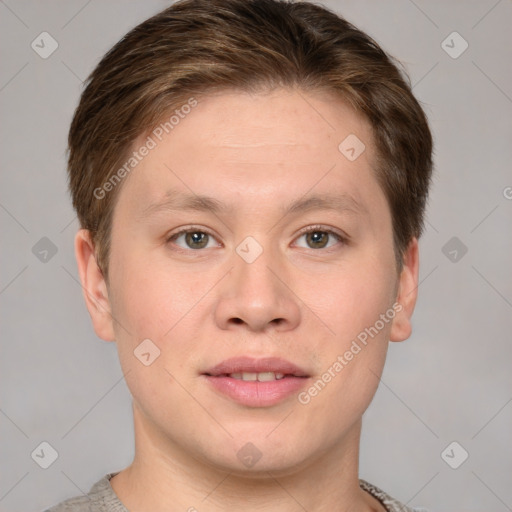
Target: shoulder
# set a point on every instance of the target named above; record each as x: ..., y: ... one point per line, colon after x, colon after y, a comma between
x: 77, y: 504
x: 389, y: 503
x: 101, y: 498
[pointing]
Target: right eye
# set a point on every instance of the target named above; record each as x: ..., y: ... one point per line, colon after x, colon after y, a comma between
x: 193, y: 238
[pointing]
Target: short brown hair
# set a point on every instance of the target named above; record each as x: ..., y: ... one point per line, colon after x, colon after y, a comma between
x: 199, y: 46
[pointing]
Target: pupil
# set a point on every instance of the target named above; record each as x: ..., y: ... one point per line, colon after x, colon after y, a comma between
x: 317, y: 237
x: 196, y: 238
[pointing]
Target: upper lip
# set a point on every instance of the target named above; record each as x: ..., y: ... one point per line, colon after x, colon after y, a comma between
x: 252, y: 365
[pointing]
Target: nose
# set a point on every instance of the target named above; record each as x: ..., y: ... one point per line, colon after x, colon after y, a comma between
x: 257, y: 296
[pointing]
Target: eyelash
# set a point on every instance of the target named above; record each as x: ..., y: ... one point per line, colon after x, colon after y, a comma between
x: 310, y: 229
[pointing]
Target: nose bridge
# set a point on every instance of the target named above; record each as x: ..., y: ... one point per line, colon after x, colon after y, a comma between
x: 254, y: 276
x: 253, y: 293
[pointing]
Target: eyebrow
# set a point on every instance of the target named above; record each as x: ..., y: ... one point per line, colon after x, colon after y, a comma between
x: 179, y: 201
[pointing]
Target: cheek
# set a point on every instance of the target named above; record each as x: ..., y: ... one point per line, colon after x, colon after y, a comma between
x: 350, y: 360
x: 149, y: 302
x: 352, y: 355
x: 152, y: 302
x: 351, y: 299
x: 151, y: 310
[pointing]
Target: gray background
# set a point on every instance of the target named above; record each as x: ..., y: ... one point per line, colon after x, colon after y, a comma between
x: 450, y: 382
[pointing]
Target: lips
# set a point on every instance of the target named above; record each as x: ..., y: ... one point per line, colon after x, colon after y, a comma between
x: 256, y: 382
x: 248, y: 365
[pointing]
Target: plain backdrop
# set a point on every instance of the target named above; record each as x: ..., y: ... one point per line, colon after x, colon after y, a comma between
x: 451, y: 381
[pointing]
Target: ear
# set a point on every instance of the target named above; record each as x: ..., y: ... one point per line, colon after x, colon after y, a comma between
x: 94, y: 286
x: 407, y: 293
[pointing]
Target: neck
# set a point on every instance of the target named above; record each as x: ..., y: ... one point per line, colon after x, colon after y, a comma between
x: 163, y: 477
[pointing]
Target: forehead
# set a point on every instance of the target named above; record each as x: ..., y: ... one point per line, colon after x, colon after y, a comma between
x: 284, y: 122
x: 250, y: 148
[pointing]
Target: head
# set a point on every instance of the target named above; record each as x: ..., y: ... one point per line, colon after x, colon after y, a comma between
x: 248, y: 107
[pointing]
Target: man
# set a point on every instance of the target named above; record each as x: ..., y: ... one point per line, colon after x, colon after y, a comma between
x: 250, y: 178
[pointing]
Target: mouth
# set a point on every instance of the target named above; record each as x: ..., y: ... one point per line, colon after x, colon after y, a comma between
x: 256, y: 382
x: 253, y: 376
x: 250, y: 369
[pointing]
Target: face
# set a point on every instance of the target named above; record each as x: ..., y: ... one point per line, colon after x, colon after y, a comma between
x: 248, y: 245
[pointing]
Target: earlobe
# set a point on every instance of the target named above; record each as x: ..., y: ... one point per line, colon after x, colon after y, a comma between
x: 94, y: 286
x: 407, y: 293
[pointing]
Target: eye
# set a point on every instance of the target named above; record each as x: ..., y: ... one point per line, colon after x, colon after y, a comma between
x: 193, y: 238
x: 317, y: 237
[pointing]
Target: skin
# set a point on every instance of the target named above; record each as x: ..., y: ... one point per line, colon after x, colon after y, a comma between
x: 297, y: 300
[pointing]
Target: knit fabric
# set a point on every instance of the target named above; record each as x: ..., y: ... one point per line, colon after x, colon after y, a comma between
x: 102, y: 498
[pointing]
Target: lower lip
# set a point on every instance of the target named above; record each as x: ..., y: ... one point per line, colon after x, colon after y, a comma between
x: 255, y: 393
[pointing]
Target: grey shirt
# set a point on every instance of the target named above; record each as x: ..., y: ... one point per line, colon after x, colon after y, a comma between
x: 102, y: 498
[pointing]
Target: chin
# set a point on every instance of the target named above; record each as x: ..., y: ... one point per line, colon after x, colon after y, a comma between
x: 255, y: 455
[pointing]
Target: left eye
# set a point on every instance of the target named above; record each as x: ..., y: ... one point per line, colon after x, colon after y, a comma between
x: 194, y: 239
x: 315, y: 238
x: 318, y: 238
